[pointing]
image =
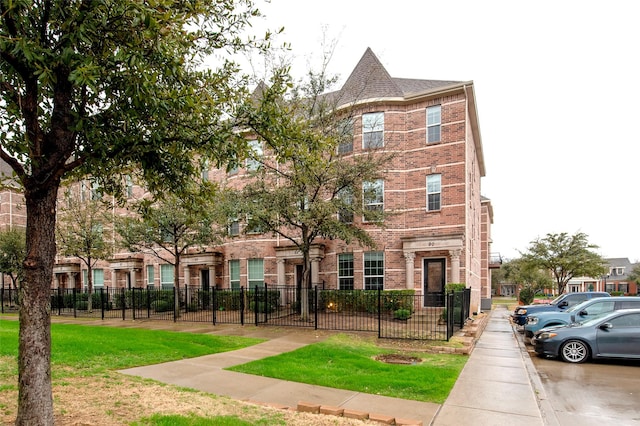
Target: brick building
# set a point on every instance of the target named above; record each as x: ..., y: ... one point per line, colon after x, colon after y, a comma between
x: 441, y: 231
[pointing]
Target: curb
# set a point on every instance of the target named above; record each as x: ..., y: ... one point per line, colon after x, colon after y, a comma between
x: 547, y: 412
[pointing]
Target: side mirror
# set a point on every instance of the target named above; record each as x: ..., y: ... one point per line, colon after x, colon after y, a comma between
x: 606, y: 326
x: 583, y: 313
x: 563, y: 304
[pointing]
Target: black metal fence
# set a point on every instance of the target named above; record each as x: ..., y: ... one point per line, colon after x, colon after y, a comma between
x: 395, y: 314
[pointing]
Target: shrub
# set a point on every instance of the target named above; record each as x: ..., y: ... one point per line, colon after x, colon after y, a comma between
x: 82, y: 305
x: 402, y: 314
x: 262, y: 308
x: 161, y: 306
x: 526, y: 295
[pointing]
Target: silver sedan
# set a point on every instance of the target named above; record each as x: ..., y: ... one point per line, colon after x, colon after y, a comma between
x: 612, y: 335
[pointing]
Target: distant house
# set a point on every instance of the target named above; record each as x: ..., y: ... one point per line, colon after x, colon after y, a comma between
x: 440, y: 232
x: 616, y: 280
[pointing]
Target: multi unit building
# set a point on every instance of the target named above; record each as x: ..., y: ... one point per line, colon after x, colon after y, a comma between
x: 440, y: 231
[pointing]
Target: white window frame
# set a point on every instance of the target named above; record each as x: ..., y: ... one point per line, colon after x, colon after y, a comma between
x: 255, y: 153
x: 166, y: 272
x: 342, y: 259
x: 234, y: 274
x: 434, y: 189
x: 377, y: 188
x: 373, y: 130
x: 434, y: 124
x: 151, y: 276
x: 367, y: 275
x: 255, y: 273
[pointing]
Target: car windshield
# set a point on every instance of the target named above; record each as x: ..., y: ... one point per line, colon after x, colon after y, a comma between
x: 556, y: 300
x: 578, y: 307
x: 593, y: 320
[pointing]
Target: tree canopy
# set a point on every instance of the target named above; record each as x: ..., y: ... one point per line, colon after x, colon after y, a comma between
x: 107, y: 88
x: 12, y: 253
x: 565, y: 256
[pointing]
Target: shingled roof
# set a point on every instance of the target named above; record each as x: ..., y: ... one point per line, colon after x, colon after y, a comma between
x: 370, y: 80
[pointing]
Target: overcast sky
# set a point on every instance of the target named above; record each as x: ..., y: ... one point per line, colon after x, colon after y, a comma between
x: 557, y: 88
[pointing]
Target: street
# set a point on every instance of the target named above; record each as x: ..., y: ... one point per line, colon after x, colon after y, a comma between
x: 594, y: 393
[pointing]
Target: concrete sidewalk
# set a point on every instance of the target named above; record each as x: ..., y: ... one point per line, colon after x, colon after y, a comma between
x: 497, y: 386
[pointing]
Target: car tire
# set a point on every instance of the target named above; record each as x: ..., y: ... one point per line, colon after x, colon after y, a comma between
x: 574, y: 351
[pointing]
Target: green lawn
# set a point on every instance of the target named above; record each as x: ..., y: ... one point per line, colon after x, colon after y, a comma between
x: 347, y: 363
x: 340, y: 362
x: 89, y: 350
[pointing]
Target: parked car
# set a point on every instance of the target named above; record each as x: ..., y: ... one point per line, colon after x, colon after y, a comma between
x: 560, y: 303
x: 612, y: 335
x: 578, y: 313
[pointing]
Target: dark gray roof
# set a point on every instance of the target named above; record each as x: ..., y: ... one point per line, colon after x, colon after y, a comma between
x: 620, y: 262
x: 369, y: 79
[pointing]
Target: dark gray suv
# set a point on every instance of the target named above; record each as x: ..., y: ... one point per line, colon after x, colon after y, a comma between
x: 560, y: 303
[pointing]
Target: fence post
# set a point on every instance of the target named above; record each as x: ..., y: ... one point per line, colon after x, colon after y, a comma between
x: 315, y: 306
x: 102, y: 303
x: 379, y: 313
x: 241, y: 305
x: 213, y: 304
x: 123, y: 302
x: 75, y: 314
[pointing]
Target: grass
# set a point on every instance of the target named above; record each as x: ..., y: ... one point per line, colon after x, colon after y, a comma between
x: 347, y: 363
x: 89, y: 350
x: 167, y: 420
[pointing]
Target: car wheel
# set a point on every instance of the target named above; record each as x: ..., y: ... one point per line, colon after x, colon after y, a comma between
x: 574, y: 351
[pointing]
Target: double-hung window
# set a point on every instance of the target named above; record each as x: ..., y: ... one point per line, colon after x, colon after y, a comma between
x: 373, y: 130
x: 434, y: 192
x: 166, y: 276
x: 345, y: 211
x: 345, y: 271
x: 373, y: 195
x: 345, y: 136
x: 433, y: 124
x: 234, y: 274
x: 255, y: 273
x: 150, y: 277
x: 374, y: 270
x: 255, y: 155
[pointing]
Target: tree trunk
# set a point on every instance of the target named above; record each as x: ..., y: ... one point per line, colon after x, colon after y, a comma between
x: 35, y: 400
x: 306, y: 286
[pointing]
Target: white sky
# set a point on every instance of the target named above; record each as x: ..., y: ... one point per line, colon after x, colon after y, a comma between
x: 557, y: 89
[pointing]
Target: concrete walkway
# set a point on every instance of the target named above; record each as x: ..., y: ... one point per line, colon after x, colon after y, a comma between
x: 498, y: 385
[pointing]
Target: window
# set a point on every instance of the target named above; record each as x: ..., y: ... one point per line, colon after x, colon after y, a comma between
x: 345, y: 211
x: 345, y: 271
x: 98, y: 278
x: 433, y: 124
x: 623, y: 287
x: 609, y: 287
x: 373, y: 195
x: 255, y: 155
x: 374, y: 270
x: 433, y: 192
x: 166, y: 276
x: 129, y: 186
x: 345, y: 136
x: 205, y: 171
x: 234, y: 274
x: 234, y: 227
x: 373, y: 130
x: 151, y: 276
x: 96, y: 191
x: 255, y: 273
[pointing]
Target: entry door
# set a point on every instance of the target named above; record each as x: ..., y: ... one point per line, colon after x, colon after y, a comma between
x: 204, y: 279
x: 434, y: 280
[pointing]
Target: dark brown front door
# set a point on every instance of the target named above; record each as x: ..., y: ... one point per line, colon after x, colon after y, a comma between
x: 434, y: 280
